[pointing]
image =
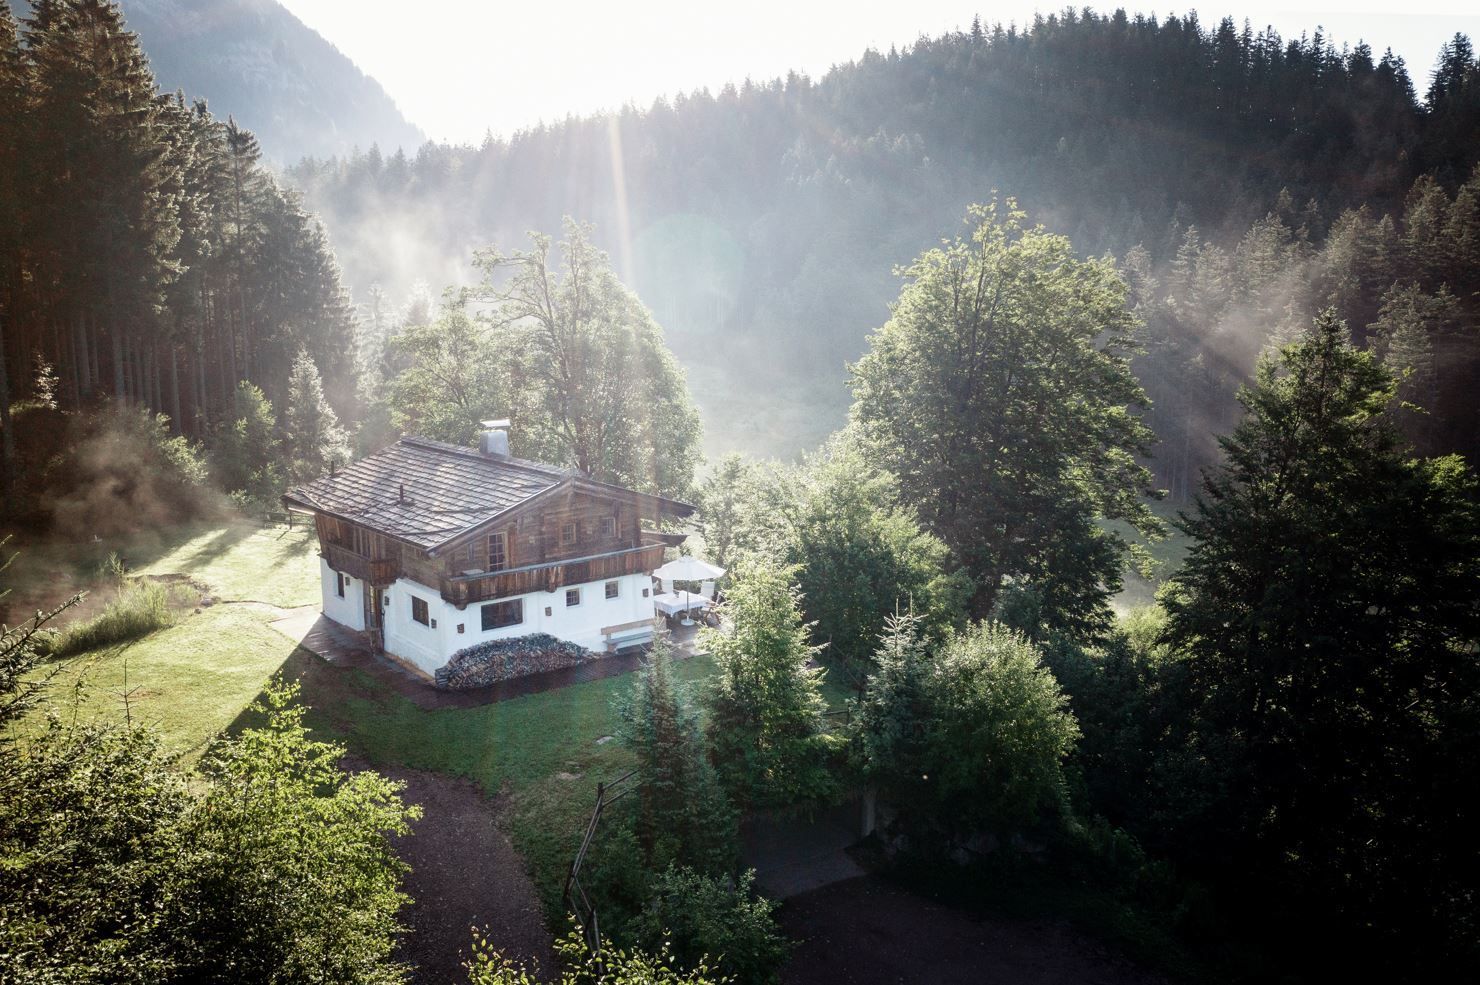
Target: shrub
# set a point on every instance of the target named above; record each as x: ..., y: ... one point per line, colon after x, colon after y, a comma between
x: 613, y: 966
x: 700, y: 915
x: 968, y: 741
x: 137, y: 610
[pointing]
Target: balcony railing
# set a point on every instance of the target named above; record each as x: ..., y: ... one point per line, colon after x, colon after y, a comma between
x: 464, y: 590
x: 378, y: 572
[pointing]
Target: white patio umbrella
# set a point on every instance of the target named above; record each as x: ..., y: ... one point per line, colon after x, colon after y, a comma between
x: 688, y: 568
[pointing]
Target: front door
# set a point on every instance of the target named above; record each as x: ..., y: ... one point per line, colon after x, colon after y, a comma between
x: 372, y: 612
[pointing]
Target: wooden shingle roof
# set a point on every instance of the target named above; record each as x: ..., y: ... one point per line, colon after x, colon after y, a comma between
x: 426, y: 492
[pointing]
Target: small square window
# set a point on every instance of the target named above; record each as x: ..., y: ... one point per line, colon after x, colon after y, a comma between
x: 567, y: 534
x: 647, y: 592
x: 419, y: 611
x: 608, y: 526
x: 613, y: 589
x: 547, y: 612
x: 572, y: 596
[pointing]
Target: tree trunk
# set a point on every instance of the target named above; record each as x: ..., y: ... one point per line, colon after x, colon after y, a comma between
x: 118, y: 383
x: 7, y: 432
x: 177, y: 424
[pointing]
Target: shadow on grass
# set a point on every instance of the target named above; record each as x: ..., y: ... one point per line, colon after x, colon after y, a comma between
x: 218, y: 545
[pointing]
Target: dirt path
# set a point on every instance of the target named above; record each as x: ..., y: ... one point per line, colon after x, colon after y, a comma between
x: 869, y: 932
x: 464, y: 873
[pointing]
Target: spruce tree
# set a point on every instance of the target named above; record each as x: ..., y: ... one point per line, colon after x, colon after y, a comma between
x: 1328, y: 610
x: 315, y: 441
x: 765, y: 705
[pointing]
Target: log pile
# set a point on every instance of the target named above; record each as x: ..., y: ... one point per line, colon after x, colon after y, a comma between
x: 501, y: 660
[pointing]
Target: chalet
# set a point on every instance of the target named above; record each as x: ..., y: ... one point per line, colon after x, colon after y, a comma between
x: 430, y: 548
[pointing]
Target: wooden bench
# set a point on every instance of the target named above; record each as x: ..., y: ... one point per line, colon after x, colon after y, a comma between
x: 627, y: 634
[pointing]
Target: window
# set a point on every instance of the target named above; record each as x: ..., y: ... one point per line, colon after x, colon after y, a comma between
x: 339, y: 580
x: 567, y: 534
x: 647, y: 592
x: 608, y: 526
x: 497, y: 615
x: 498, y: 551
x: 572, y: 596
x: 613, y: 589
x: 419, y: 611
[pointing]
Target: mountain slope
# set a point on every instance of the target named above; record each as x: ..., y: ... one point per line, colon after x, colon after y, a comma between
x: 761, y: 223
x: 255, y: 61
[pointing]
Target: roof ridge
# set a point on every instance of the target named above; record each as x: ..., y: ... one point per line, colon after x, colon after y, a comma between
x: 432, y: 444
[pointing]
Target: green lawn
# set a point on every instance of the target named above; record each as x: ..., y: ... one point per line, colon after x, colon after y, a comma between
x: 197, y: 679
x: 541, y: 752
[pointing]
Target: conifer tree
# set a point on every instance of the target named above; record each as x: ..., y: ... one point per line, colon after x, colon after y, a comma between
x: 1328, y: 610
x: 315, y: 441
x: 765, y: 724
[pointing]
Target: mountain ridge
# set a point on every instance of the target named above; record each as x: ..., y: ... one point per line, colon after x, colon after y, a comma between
x: 255, y: 61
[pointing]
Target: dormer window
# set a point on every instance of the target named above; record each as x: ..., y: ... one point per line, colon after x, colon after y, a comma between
x: 498, y: 551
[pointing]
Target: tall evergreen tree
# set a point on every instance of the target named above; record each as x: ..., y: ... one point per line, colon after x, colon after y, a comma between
x: 315, y: 441
x: 1328, y: 610
x: 765, y: 724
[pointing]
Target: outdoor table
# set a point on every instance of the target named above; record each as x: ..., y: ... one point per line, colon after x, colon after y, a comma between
x: 672, y: 603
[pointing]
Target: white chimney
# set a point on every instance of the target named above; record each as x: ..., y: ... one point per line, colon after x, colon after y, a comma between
x: 495, y: 438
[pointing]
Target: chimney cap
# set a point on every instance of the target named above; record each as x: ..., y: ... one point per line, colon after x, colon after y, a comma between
x: 502, y: 422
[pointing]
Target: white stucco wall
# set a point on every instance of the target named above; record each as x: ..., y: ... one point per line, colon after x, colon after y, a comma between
x: 348, y: 611
x: 429, y: 647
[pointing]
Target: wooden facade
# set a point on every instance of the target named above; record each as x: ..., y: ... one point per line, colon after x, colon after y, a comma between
x: 569, y: 537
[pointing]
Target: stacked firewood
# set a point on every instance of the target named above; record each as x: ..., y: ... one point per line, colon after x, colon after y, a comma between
x: 500, y: 660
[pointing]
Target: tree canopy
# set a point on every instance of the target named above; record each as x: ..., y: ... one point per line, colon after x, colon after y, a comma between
x: 1000, y: 394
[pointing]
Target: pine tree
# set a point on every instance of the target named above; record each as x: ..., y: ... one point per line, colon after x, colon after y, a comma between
x: 315, y: 441
x: 1327, y: 610
x: 683, y: 817
x: 765, y: 724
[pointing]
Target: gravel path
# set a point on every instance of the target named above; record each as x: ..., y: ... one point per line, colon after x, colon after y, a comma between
x: 464, y: 873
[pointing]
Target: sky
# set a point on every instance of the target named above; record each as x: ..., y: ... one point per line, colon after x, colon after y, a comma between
x: 460, y: 68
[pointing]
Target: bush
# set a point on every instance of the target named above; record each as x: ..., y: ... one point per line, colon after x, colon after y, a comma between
x: 613, y: 966
x: 715, y: 916
x: 137, y: 610
x: 120, y: 471
x: 968, y: 741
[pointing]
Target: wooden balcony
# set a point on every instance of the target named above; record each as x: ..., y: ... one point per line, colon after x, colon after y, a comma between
x: 378, y: 572
x: 464, y: 590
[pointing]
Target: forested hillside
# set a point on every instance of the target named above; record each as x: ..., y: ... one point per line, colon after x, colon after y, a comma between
x: 761, y: 223
x: 263, y: 67
x: 147, y: 255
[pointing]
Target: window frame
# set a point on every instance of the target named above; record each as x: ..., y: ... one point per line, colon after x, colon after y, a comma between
x: 574, y: 529
x: 488, y: 607
x: 614, y: 589
x: 500, y: 537
x: 426, y: 611
x: 339, y: 584
x: 568, y: 593
x: 609, y: 527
